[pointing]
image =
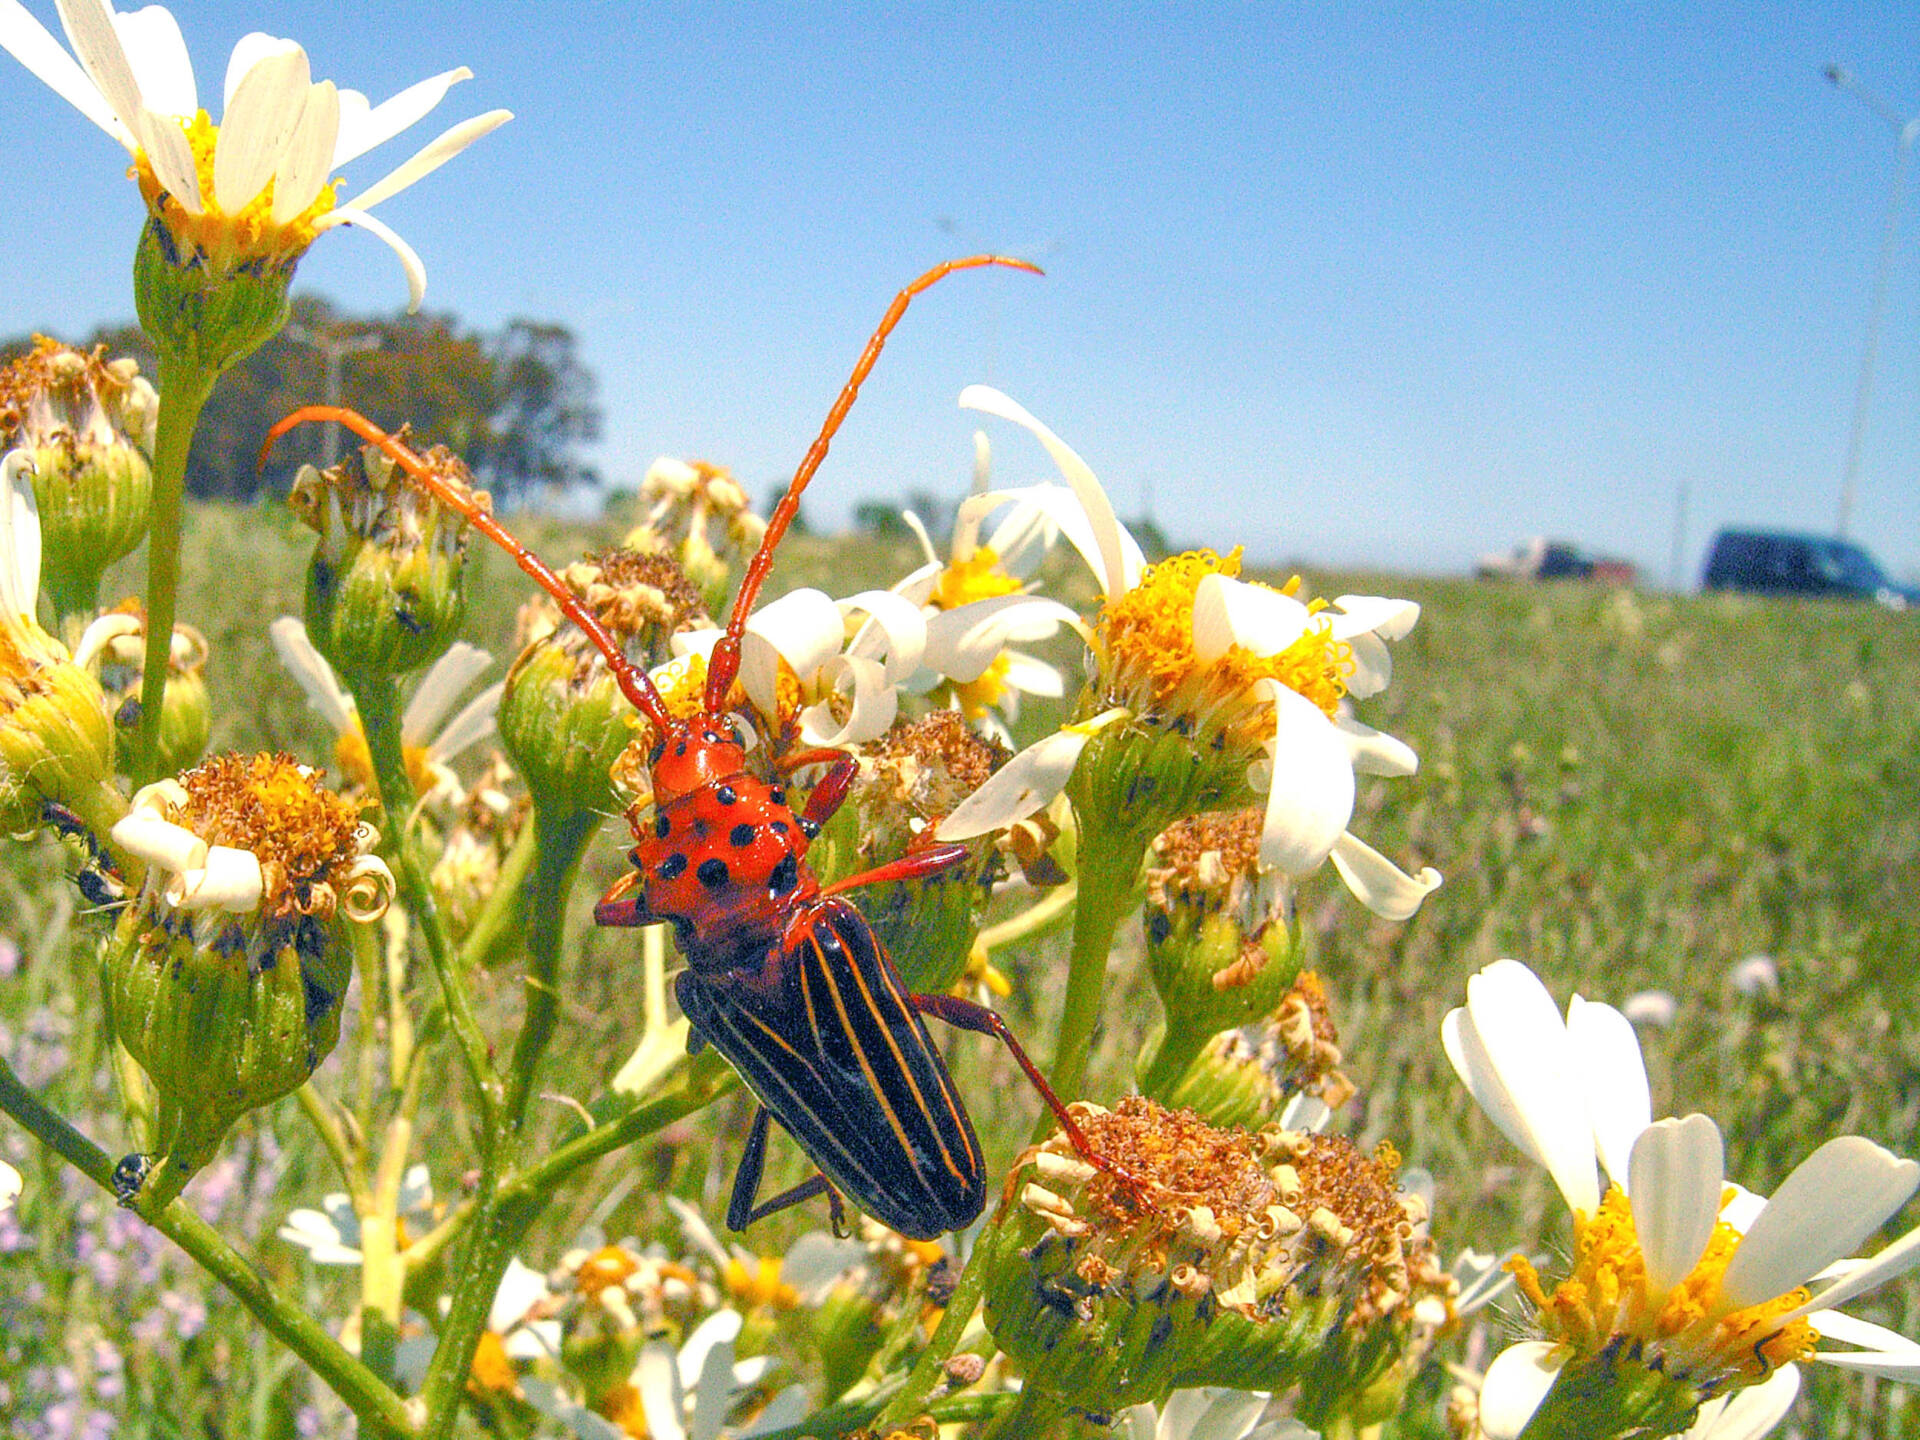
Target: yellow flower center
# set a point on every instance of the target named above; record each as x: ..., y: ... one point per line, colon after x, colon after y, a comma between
x: 1693, y: 1335
x: 980, y: 694
x: 247, y: 236
x: 752, y: 1286
x: 978, y: 577
x: 1147, y: 636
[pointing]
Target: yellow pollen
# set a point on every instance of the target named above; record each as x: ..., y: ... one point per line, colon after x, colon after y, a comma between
x: 227, y: 241
x: 975, y: 578
x: 1607, y: 1296
x: 1147, y: 634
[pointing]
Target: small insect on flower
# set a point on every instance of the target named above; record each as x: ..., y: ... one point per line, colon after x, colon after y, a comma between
x: 785, y: 977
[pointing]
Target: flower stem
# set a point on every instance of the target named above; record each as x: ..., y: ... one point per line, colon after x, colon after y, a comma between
x: 910, y: 1400
x: 498, y: 926
x: 184, y: 388
x: 377, y: 1407
x: 379, y: 701
x: 1109, y: 862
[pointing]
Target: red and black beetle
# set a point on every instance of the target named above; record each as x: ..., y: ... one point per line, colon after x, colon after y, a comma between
x: 784, y: 978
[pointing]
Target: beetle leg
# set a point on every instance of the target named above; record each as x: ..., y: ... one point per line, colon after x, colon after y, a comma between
x: 966, y: 1015
x: 920, y: 865
x: 742, y: 1212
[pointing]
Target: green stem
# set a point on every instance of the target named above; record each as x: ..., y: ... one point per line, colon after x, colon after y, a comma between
x: 377, y: 1407
x: 501, y: 920
x: 910, y: 1399
x: 560, y: 842
x: 378, y: 699
x: 1109, y: 861
x: 184, y: 388
x: 844, y: 1417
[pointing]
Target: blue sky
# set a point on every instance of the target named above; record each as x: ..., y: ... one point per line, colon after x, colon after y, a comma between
x: 1341, y: 285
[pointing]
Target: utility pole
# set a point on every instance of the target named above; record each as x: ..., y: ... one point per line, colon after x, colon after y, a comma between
x: 334, y: 350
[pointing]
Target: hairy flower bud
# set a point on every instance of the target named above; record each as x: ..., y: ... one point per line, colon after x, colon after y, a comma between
x: 1260, y: 1262
x: 563, y: 721
x: 385, y: 590
x: 225, y: 976
x: 87, y: 429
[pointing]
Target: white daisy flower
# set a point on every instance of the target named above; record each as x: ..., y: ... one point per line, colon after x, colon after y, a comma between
x: 1208, y: 1413
x: 258, y: 186
x: 1251, y: 663
x: 331, y: 1234
x: 429, y: 740
x: 1707, y: 1284
x: 10, y: 1185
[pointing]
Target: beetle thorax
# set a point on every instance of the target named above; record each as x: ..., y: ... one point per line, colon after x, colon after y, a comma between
x: 722, y: 855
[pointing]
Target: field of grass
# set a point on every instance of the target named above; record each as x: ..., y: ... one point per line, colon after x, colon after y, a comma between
x: 1630, y: 792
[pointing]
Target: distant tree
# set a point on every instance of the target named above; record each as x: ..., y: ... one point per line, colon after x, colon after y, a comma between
x: 880, y: 518
x: 513, y: 405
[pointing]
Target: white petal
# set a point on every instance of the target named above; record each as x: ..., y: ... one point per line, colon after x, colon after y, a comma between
x: 657, y: 1377
x: 1606, y: 1055
x: 720, y: 1328
x: 1310, y: 792
x: 1851, y: 1330
x: 157, y: 54
x: 171, y: 156
x: 788, y: 1408
x: 445, y: 683
x: 416, y: 1190
x: 1895, y: 1260
x: 919, y: 529
x: 1120, y: 559
x: 1023, y: 786
x: 963, y: 642
x: 874, y: 704
x: 228, y: 879
x: 94, y: 640
x: 362, y: 128
x: 1223, y: 1414
x: 19, y: 537
x: 409, y: 259
x: 429, y: 158
x: 1372, y: 666
x: 896, y: 628
x: 1750, y: 1413
x: 1257, y: 618
x: 473, y: 724
x: 521, y: 1288
x: 33, y: 45
x: 1516, y: 1383
x: 803, y: 627
x: 1676, y: 1172
x: 159, y: 841
x: 1866, y: 1362
x: 1509, y: 1046
x: 1022, y: 539
x: 9, y: 1185
x: 1374, y: 614
x: 313, y: 674
x: 303, y: 170
x: 96, y: 43
x: 250, y: 50
x: 258, y: 125
x: 1831, y: 1202
x: 1379, y: 884
x: 1031, y: 676
x: 1374, y: 752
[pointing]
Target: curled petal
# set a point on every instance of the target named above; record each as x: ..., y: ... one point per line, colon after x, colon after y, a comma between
x: 1031, y: 676
x: 963, y: 642
x: 1310, y: 788
x: 873, y: 704
x: 1516, y: 1383
x: 895, y: 627
x: 94, y: 640
x: 158, y: 841
x: 1379, y: 884
x: 1120, y: 559
x: 248, y: 52
x: 1374, y: 752
x: 802, y: 627
x: 410, y: 260
x: 368, y: 890
x: 1374, y: 614
x: 228, y: 879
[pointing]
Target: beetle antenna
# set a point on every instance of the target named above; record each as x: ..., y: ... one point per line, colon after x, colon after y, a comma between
x: 634, y: 682
x: 724, y: 664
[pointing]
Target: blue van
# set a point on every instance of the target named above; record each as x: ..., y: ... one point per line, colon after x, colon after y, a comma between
x: 1768, y: 562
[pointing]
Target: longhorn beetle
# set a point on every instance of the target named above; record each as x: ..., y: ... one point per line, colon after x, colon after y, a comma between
x: 784, y: 978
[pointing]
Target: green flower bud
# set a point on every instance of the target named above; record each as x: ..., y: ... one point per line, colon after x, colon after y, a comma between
x: 563, y: 721
x: 908, y: 779
x: 87, y: 428
x: 385, y: 589
x: 225, y: 976
x: 1251, y: 1076
x: 1141, y: 774
x: 205, y: 310
x: 1257, y: 1262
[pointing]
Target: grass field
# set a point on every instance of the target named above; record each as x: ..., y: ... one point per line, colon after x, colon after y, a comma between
x: 1631, y: 792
